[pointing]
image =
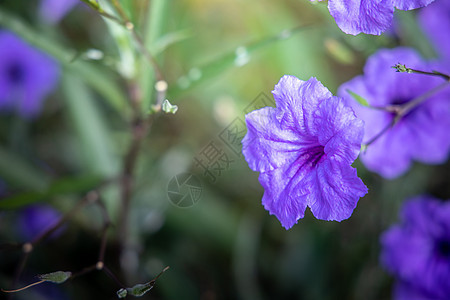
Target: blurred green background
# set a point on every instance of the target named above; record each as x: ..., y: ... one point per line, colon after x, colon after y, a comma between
x: 218, y: 57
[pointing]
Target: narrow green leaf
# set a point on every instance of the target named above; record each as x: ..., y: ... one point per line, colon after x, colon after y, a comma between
x: 169, y: 39
x: 64, y: 186
x: 55, y: 277
x: 124, y: 42
x: 19, y: 173
x: 236, y: 58
x: 358, y: 98
x: 157, y: 15
x: 90, y: 126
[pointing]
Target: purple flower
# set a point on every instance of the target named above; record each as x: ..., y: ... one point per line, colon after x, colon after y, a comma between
x: 52, y: 11
x: 417, y: 251
x: 27, y: 76
x: 435, y: 21
x: 420, y: 135
x: 36, y: 219
x: 304, y: 149
x: 368, y: 16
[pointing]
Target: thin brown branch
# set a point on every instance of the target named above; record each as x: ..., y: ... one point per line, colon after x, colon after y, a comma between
x: 140, y: 129
x: 402, y: 110
x: 106, y: 226
x: 84, y: 271
x: 24, y: 288
x: 408, y: 106
x: 140, y: 43
x: 90, y: 197
x: 112, y: 276
x: 19, y: 270
x: 378, y: 135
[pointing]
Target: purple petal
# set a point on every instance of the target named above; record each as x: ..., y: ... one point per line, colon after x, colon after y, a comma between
x: 428, y: 129
x: 411, y: 4
x: 379, y: 66
x: 388, y: 155
x: 36, y: 219
x: 297, y: 100
x: 435, y: 21
x: 412, y: 250
x: 367, y: 16
x: 267, y: 145
x: 339, y: 130
x: 335, y: 189
x: 284, y: 195
x: 52, y: 11
x: 406, y: 291
x: 27, y: 76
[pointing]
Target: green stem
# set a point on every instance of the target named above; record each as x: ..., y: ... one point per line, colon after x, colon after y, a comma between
x: 404, y: 69
x: 95, y: 6
x: 402, y: 110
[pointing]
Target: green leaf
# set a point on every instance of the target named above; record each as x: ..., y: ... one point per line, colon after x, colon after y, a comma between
x: 90, y: 126
x: 358, y: 98
x: 64, y: 186
x: 99, y: 80
x: 235, y: 58
x: 17, y: 172
x: 55, y: 277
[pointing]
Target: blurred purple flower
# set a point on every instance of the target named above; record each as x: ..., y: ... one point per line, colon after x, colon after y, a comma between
x: 435, y: 21
x: 52, y: 11
x: 422, y: 134
x: 27, y: 76
x: 369, y: 16
x: 35, y: 219
x: 304, y: 149
x: 417, y: 251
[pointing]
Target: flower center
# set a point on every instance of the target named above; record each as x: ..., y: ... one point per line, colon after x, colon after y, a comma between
x: 317, y: 154
x: 444, y: 248
x: 15, y: 73
x: 400, y: 101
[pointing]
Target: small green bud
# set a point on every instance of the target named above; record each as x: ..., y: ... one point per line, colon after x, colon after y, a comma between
x: 361, y: 100
x: 402, y: 68
x: 122, y: 293
x: 169, y: 108
x: 139, y: 290
x: 55, y: 277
